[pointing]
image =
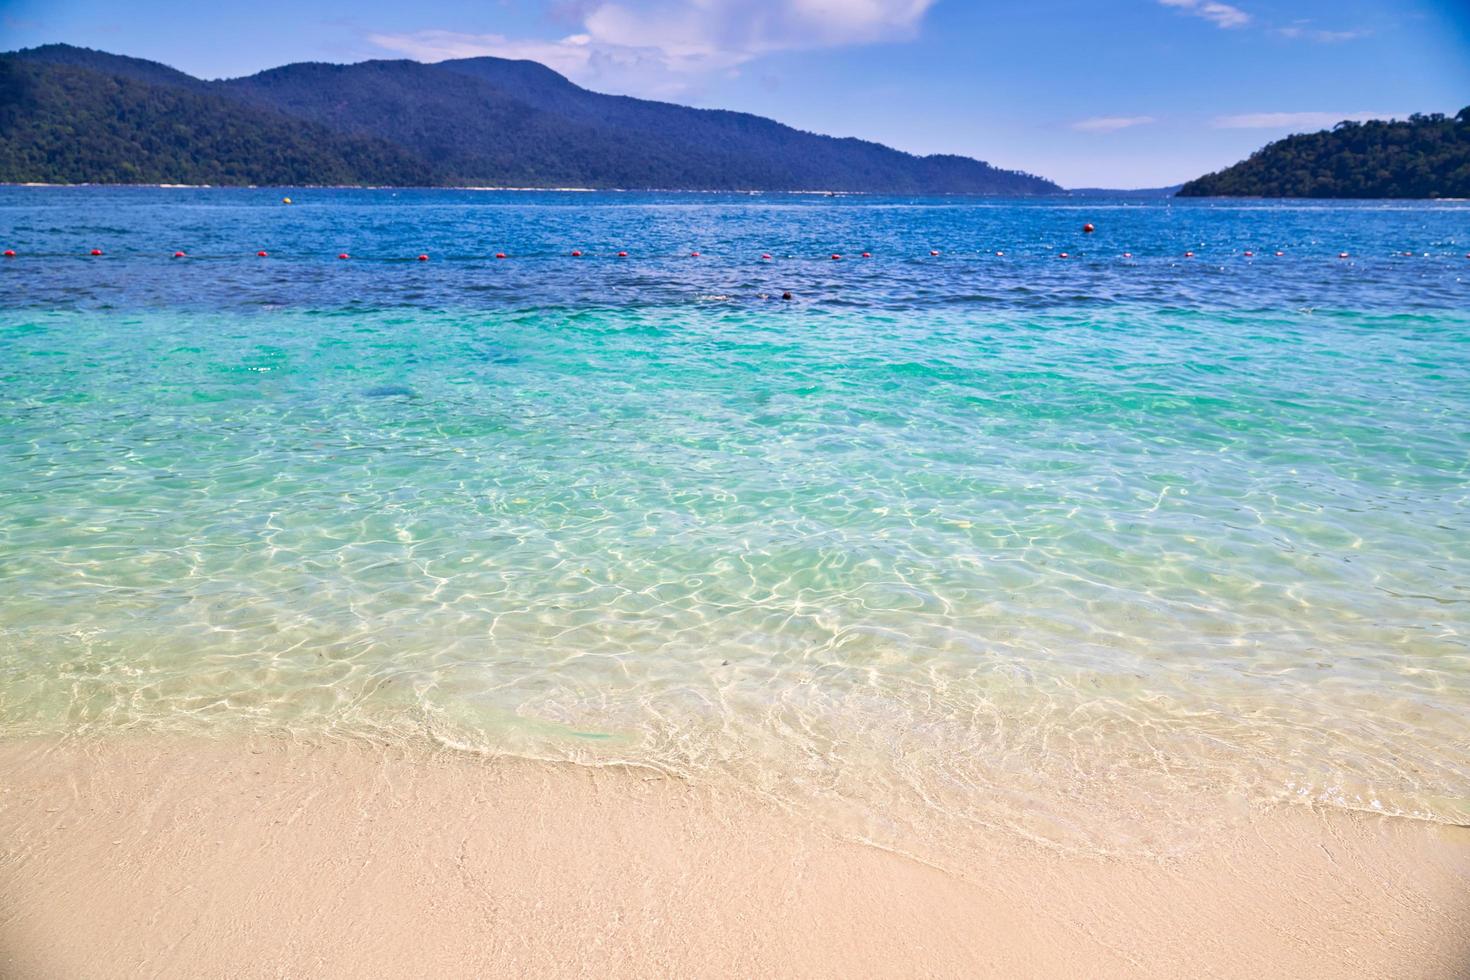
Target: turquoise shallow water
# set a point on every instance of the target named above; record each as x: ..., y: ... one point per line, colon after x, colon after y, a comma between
x: 1053, y: 562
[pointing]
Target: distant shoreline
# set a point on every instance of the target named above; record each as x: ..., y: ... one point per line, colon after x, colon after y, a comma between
x: 1089, y: 193
x: 542, y: 190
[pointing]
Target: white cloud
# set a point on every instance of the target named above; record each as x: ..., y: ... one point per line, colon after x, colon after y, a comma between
x: 1299, y: 121
x: 1219, y: 14
x: 660, y: 47
x: 1298, y: 32
x: 1110, y: 124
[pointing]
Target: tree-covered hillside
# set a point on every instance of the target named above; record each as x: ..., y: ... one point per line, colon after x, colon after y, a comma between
x: 71, y: 114
x: 61, y: 124
x: 137, y: 69
x: 489, y: 121
x: 1423, y: 156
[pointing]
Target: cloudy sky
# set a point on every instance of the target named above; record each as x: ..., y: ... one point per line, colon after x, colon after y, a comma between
x: 1115, y: 93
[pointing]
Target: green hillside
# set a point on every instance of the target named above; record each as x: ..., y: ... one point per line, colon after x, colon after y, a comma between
x: 1423, y: 156
x: 62, y: 124
x: 76, y: 115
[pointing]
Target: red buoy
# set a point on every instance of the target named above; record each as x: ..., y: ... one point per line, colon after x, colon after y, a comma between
x: 1189, y: 255
x: 1250, y: 254
x: 1409, y: 253
x: 622, y: 255
x: 1342, y: 255
x: 1087, y: 229
x: 576, y: 253
x: 694, y: 255
x: 1279, y: 254
x: 1127, y: 255
x: 766, y: 257
x: 500, y: 255
x: 423, y: 258
x: 343, y: 256
x: 867, y: 255
x: 178, y: 255
x: 10, y: 253
x: 836, y: 257
x: 96, y: 251
x: 262, y: 253
x: 1000, y: 254
x: 1064, y: 255
x: 933, y: 251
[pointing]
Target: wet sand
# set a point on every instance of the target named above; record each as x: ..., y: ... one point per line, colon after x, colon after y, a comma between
x: 267, y: 858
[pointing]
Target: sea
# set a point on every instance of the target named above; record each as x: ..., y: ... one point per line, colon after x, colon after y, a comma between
x: 917, y: 515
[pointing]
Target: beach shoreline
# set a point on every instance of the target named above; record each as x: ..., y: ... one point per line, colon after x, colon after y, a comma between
x: 137, y: 855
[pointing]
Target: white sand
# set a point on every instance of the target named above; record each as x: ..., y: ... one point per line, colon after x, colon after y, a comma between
x: 272, y: 859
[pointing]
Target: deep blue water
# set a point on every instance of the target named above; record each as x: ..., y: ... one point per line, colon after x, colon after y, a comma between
x: 54, y: 229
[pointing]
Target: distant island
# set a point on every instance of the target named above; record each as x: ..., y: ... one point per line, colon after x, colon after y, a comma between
x: 74, y: 115
x: 1139, y: 192
x: 1424, y: 156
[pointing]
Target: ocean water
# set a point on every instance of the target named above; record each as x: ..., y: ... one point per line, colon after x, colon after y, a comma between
x: 1082, y: 549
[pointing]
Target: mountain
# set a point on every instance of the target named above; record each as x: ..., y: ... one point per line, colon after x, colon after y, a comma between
x: 119, y: 65
x: 61, y: 124
x: 1423, y: 156
x: 93, y: 116
x: 1141, y: 192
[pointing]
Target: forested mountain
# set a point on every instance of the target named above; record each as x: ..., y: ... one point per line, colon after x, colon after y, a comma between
x: 70, y: 115
x: 60, y: 124
x: 138, y: 69
x: 1420, y: 157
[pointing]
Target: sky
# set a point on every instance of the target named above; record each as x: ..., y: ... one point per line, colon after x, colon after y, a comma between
x: 1109, y: 93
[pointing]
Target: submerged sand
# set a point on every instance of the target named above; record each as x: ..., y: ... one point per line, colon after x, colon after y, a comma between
x: 270, y: 858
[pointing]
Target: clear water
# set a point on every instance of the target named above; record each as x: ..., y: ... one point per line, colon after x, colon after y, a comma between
x: 1040, y: 544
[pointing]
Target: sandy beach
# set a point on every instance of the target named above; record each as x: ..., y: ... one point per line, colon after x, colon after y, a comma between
x: 272, y: 858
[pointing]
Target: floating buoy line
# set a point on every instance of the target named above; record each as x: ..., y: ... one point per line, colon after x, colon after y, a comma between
x: 11, y: 253
x: 1087, y: 228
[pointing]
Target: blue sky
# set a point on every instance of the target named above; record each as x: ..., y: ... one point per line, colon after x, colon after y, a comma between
x: 1115, y: 93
